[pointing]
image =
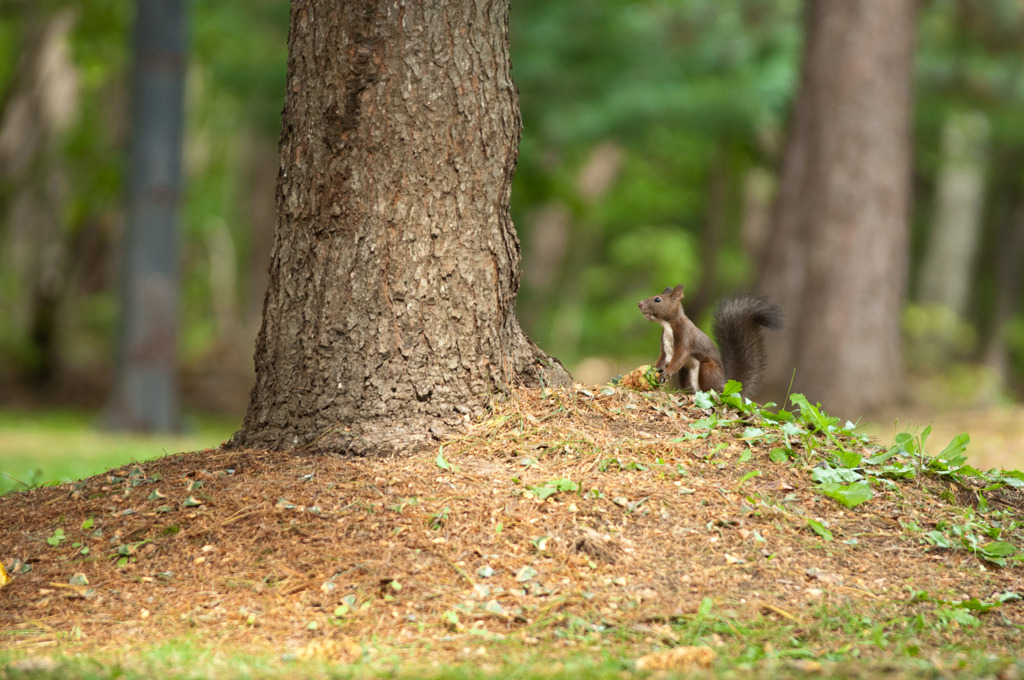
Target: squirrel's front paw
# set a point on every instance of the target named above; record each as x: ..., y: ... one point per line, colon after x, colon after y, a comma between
x: 662, y: 375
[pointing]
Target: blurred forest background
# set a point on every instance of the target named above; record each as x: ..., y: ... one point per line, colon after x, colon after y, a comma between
x: 651, y: 150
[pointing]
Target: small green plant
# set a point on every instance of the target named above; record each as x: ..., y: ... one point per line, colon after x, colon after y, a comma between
x: 442, y: 463
x: 347, y: 606
x: 820, y: 529
x: 438, y: 519
x: 848, y: 467
x: 550, y: 488
x: 56, y: 538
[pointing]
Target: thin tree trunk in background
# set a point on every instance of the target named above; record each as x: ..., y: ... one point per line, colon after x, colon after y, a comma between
x: 41, y: 105
x: 389, y: 317
x: 837, y: 258
x: 1009, y: 278
x: 145, y: 393
x: 956, y: 223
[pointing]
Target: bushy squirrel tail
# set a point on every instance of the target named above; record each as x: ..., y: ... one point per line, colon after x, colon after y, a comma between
x: 737, y: 327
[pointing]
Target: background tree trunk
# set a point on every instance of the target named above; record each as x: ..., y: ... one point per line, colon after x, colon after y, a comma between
x: 145, y: 395
x: 948, y: 264
x: 34, y: 187
x: 837, y: 258
x: 390, y: 309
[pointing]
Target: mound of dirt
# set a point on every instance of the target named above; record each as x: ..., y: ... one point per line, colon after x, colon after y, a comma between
x: 575, y: 508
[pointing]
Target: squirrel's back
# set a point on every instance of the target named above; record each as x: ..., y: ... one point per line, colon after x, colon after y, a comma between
x: 737, y: 327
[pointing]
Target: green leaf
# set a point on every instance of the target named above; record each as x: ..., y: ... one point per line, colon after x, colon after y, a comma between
x: 812, y: 414
x: 57, y: 537
x: 750, y: 475
x: 441, y: 462
x: 882, y: 457
x: 780, y: 454
x: 924, y: 436
x: 960, y: 615
x: 850, y: 495
x: 974, y: 604
x: 438, y: 519
x: 820, y: 529
x: 736, y: 401
x: 550, y: 488
x: 1013, y: 478
x: 938, y: 539
x: 704, y: 400
x: 952, y: 458
x: 998, y: 549
x: 732, y: 387
x: 849, y: 459
x: 792, y: 430
x: 830, y: 475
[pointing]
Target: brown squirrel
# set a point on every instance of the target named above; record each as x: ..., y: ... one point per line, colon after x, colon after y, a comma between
x: 688, y: 351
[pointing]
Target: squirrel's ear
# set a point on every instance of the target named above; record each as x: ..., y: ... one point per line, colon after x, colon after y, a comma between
x: 677, y: 292
x: 666, y: 291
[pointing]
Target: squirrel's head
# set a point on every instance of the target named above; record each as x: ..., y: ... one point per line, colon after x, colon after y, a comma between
x: 664, y: 306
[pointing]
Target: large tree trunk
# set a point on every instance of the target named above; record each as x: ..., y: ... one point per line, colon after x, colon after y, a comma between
x: 837, y: 257
x: 389, y: 315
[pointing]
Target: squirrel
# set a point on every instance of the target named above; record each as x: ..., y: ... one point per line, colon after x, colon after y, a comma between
x: 688, y: 351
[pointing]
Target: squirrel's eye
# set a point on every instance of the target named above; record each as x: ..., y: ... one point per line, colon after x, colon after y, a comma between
x: 657, y: 299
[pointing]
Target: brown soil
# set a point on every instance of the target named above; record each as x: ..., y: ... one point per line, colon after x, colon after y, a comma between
x: 304, y: 553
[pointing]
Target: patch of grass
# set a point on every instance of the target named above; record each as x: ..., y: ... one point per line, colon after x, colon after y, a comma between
x: 733, y: 648
x: 65, y: 445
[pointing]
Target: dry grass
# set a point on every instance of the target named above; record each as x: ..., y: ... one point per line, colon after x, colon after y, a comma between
x: 315, y: 554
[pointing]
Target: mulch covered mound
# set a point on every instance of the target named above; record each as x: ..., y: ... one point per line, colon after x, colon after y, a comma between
x: 572, y: 510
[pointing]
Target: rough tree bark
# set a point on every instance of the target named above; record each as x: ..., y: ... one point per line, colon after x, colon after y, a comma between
x: 389, y: 315
x: 837, y: 257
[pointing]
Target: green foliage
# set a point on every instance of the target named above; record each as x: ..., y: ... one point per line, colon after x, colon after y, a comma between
x: 848, y: 468
x: 686, y: 93
x: 690, y: 98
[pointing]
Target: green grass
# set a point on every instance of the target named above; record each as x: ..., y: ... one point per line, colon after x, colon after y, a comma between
x: 836, y: 642
x: 37, y: 447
